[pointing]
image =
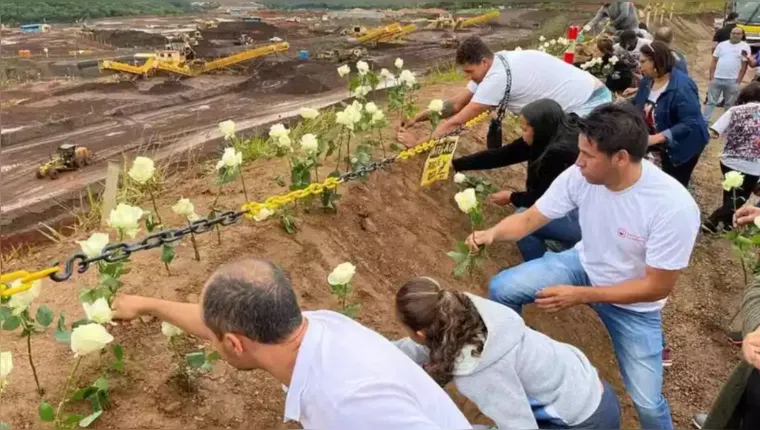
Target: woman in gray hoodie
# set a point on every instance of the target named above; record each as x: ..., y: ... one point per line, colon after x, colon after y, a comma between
x: 518, y: 377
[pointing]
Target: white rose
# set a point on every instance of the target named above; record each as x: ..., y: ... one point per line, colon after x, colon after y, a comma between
x: 541, y: 39
x: 142, y: 170
x: 344, y: 70
x: 386, y: 73
x: 342, y: 274
x: 99, y: 311
x: 93, y: 246
x: 587, y: 28
x: 361, y: 91
x: 356, y: 106
x: 308, y: 113
x: 733, y: 180
x: 278, y: 130
x: 436, y: 106
x: 562, y: 41
x: 553, y: 42
x: 613, y: 60
x: 344, y: 118
x: 20, y: 301
x: 284, y: 142
x: 89, y: 338
x: 362, y: 67
x: 377, y: 117
x: 407, y: 78
x: 231, y: 158
x: 585, y: 65
x: 6, y: 365
x: 459, y: 178
x: 518, y: 49
x: 399, y: 63
x: 193, y: 217
x: 757, y: 222
x: 309, y: 143
x: 228, y: 129
x: 466, y: 200
x: 263, y: 214
x: 126, y: 219
x: 371, y: 108
x: 169, y: 330
x: 184, y: 207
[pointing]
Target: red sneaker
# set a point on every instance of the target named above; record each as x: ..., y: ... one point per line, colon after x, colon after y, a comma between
x: 666, y: 360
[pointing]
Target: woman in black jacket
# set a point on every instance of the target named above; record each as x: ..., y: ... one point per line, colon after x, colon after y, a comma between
x: 550, y: 145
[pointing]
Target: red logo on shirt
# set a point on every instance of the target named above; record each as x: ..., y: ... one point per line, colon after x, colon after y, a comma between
x: 623, y: 234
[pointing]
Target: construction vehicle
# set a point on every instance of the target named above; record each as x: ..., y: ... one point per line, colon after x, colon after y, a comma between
x: 748, y: 20
x: 343, y: 55
x: 389, y: 33
x: 449, y: 41
x: 448, y: 22
x: 179, y: 65
x: 68, y: 157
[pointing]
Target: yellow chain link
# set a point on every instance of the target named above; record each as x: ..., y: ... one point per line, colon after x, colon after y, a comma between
x: 274, y: 202
x: 253, y: 209
x: 26, y: 279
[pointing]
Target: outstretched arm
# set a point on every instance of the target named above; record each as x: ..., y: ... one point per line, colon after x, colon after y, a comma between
x: 186, y: 316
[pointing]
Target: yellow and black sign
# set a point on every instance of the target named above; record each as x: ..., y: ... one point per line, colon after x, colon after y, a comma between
x: 438, y: 163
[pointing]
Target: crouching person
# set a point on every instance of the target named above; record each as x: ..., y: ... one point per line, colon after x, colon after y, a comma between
x: 518, y: 377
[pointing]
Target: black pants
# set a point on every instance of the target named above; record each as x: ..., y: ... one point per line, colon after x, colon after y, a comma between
x: 750, y: 403
x: 681, y: 173
x: 725, y: 213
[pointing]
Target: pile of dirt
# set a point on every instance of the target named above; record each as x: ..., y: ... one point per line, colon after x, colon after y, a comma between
x: 293, y: 77
x: 233, y: 30
x: 167, y: 87
x: 101, y: 87
x: 131, y: 38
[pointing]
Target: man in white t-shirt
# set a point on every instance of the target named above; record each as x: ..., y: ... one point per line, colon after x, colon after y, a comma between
x: 638, y: 229
x: 535, y: 75
x: 337, y: 373
x: 729, y: 65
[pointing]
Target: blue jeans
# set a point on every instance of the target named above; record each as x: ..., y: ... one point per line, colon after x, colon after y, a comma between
x: 636, y: 336
x: 728, y: 88
x: 565, y: 230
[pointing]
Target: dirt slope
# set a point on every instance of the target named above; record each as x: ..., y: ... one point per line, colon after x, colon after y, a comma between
x: 388, y: 243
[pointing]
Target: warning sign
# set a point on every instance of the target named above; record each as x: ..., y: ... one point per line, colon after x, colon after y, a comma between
x: 438, y: 163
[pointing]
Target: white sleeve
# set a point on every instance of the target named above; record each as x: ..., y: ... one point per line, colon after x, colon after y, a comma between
x: 721, y: 125
x: 418, y: 353
x: 560, y: 198
x: 672, y: 238
x: 491, y: 90
x: 718, y: 49
x: 472, y: 86
x: 382, y: 405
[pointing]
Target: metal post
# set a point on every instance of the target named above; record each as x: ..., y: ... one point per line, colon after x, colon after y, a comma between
x: 109, y: 194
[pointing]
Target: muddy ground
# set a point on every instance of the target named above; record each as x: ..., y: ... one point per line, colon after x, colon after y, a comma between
x: 388, y: 245
x: 114, y: 118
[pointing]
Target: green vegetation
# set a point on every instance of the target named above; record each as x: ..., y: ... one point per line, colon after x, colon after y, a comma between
x: 38, y: 11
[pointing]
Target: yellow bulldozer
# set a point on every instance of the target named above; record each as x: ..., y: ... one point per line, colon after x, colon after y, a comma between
x: 68, y: 157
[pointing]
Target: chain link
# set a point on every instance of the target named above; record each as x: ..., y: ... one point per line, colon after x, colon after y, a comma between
x: 117, y: 252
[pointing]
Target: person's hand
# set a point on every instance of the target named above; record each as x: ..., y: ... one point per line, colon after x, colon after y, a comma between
x: 478, y: 239
x: 127, y: 308
x: 406, y: 138
x: 656, y: 139
x: 501, y: 198
x: 559, y: 297
x: 746, y: 215
x: 630, y: 91
x: 751, y: 348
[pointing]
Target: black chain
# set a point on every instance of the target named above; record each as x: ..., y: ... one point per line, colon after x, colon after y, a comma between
x: 116, y: 252
x: 366, y: 170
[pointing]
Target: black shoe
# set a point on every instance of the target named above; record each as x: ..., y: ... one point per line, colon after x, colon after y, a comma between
x: 709, y: 228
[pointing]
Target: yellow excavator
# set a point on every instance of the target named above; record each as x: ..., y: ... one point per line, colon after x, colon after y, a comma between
x: 448, y: 22
x: 389, y: 33
x: 177, y: 62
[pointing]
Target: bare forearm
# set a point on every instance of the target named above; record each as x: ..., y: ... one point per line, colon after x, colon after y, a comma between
x: 742, y: 73
x: 712, y: 70
x: 445, y: 127
x: 637, y: 291
x: 186, y: 316
x: 513, y: 228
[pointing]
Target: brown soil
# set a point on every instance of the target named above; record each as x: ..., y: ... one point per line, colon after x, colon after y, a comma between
x: 167, y: 87
x: 233, y: 30
x: 388, y: 245
x: 130, y: 38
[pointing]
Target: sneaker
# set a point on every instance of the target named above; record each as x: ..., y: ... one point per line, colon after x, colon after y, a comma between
x: 735, y: 337
x: 666, y: 360
x: 698, y: 420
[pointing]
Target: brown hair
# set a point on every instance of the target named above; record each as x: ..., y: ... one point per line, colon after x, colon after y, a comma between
x: 605, y: 46
x: 660, y: 54
x: 448, y: 320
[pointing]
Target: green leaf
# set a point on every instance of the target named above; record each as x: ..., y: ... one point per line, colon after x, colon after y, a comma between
x: 4, y: 426
x: 12, y: 323
x: 5, y: 313
x: 196, y: 360
x: 118, y: 352
x: 62, y: 336
x: 213, y: 357
x: 279, y: 181
x: 89, y: 419
x: 45, y: 316
x: 150, y: 225
x: 84, y: 393
x: 77, y: 323
x: 46, y: 412
x: 72, y: 419
x: 101, y: 384
x: 167, y: 254
x: 289, y: 224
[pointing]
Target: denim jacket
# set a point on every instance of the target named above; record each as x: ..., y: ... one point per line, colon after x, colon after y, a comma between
x: 678, y: 116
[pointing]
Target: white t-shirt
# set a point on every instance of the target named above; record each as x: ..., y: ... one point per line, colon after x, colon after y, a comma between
x: 730, y: 59
x: 348, y: 377
x: 640, y: 42
x: 535, y: 75
x: 652, y: 223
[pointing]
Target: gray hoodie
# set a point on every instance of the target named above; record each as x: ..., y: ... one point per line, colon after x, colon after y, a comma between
x: 622, y: 14
x: 522, y: 375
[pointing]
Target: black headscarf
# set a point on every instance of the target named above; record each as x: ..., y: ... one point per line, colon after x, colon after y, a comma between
x: 553, y: 129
